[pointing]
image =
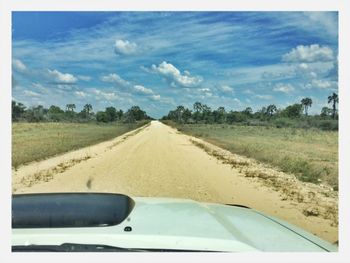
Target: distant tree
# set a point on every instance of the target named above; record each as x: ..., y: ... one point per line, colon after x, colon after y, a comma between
x: 179, y: 112
x: 186, y: 115
x: 334, y: 100
x: 325, y: 112
x: 197, y: 107
x: 111, y: 114
x: 235, y: 116
x: 18, y: 110
x: 55, y: 113
x: 219, y: 115
x: 101, y: 116
x: 248, y: 111
x: 271, y: 109
x: 292, y: 111
x: 55, y: 109
x: 171, y: 115
x: 70, y: 107
x: 35, y: 114
x: 119, y: 114
x: 134, y: 114
x: 206, y: 114
x: 88, y: 108
x: 306, y: 102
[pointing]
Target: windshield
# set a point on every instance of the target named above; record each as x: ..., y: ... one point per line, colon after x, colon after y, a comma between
x: 197, y: 131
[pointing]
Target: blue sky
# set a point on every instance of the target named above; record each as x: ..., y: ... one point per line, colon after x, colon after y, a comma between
x: 159, y: 60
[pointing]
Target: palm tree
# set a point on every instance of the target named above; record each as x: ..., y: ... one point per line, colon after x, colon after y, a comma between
x: 197, y: 106
x: 87, y: 108
x: 271, y: 109
x: 306, y: 102
x: 333, y: 99
x: 70, y: 107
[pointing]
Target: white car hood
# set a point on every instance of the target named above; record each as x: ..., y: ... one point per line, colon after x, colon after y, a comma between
x: 167, y: 223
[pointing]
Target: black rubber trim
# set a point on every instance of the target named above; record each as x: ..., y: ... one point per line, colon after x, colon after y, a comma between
x: 55, y: 210
x: 243, y: 206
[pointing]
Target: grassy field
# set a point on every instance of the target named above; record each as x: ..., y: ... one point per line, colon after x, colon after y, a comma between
x: 310, y: 154
x: 36, y: 141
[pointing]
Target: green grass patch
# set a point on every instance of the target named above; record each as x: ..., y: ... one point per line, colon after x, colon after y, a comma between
x: 37, y: 141
x: 310, y: 154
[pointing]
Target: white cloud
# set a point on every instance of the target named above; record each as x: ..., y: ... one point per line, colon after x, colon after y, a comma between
x: 237, y: 100
x: 84, y: 78
x: 282, y: 87
x: 115, y: 78
x: 142, y: 90
x: 104, y: 95
x: 202, y: 90
x: 303, y: 66
x: 264, y: 97
x: 322, y: 84
x: 326, y: 20
x: 155, y: 97
x: 31, y: 93
x: 18, y: 65
x: 309, y: 54
x: 81, y: 94
x: 313, y: 74
x: 171, y: 73
x: 40, y: 88
x: 226, y: 89
x: 248, y: 91
x: 125, y: 47
x: 67, y: 87
x: 63, y: 78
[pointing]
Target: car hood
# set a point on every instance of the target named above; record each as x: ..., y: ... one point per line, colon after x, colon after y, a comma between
x: 167, y: 223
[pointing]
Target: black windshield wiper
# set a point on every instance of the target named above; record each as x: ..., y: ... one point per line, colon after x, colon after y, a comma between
x: 72, y: 247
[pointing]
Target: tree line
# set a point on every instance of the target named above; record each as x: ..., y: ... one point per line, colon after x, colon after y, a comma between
x: 202, y: 113
x: 55, y: 114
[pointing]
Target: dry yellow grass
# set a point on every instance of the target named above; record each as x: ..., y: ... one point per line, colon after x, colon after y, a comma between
x: 37, y: 141
x: 310, y: 154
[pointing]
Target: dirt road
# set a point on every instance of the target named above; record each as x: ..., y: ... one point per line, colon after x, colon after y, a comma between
x: 157, y: 160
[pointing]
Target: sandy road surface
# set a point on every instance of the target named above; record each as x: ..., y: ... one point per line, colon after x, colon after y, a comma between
x: 157, y: 160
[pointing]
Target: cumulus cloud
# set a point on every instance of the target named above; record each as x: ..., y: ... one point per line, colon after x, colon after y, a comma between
x: 106, y: 95
x: 226, y: 89
x: 174, y: 76
x: 202, y: 90
x: 312, y: 53
x: 142, y: 90
x: 84, y: 78
x: 303, y: 66
x: 124, y: 47
x: 282, y: 87
x: 115, y: 78
x: 327, y: 20
x: 322, y: 84
x: 248, y: 91
x: 155, y: 97
x: 31, y: 93
x: 61, y: 78
x: 18, y: 65
x: 264, y: 97
x: 40, y: 88
x: 81, y: 94
x: 237, y: 100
